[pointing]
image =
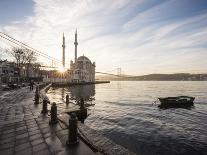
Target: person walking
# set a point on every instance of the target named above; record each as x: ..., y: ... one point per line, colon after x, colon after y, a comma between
x: 31, y: 85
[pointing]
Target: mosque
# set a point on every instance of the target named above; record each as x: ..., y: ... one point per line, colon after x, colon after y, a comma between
x: 82, y: 69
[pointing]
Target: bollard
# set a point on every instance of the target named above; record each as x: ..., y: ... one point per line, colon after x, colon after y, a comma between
x: 72, y: 132
x: 37, y: 96
x: 82, y: 106
x: 82, y: 113
x: 53, y: 113
x: 67, y: 99
x: 44, y: 106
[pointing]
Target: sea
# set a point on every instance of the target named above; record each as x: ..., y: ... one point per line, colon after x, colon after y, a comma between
x: 126, y: 113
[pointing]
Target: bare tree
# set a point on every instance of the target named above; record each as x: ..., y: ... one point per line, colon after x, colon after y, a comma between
x: 30, y: 60
x: 23, y: 57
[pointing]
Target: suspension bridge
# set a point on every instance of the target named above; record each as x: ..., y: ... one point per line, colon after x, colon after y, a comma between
x: 55, y: 63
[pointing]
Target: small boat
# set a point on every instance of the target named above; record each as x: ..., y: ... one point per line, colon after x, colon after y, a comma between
x: 178, y: 101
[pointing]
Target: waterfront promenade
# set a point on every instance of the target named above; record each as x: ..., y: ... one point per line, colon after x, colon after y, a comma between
x: 24, y: 130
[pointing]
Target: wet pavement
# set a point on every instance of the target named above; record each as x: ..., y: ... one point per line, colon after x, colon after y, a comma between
x: 24, y: 130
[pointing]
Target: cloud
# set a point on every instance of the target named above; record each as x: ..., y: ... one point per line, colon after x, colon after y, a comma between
x: 141, y: 37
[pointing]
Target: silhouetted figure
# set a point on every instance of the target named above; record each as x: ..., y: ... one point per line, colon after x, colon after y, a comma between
x: 31, y: 84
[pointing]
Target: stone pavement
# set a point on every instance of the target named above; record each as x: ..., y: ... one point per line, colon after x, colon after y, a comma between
x: 24, y: 130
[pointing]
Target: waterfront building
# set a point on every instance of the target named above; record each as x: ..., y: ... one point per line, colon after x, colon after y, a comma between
x: 82, y: 69
x: 9, y: 72
x: 7, y: 68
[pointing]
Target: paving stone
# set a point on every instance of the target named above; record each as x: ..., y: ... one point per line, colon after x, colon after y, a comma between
x: 7, y: 140
x: 20, y: 124
x: 7, y: 152
x: 37, y: 141
x: 25, y: 135
x: 20, y: 132
x: 21, y: 141
x: 10, y: 126
x: 54, y: 143
x: 56, y: 127
x: 39, y: 147
x: 32, y: 121
x: 7, y: 145
x: 46, y: 135
x: 33, y: 128
x: 45, y: 130
x: 42, y: 152
x: 29, y: 115
x: 21, y: 128
x: 40, y: 119
x: 36, y: 136
x: 28, y: 118
x: 22, y: 146
x: 8, y: 135
x: 34, y: 132
x: 8, y: 131
x: 43, y: 126
x: 27, y: 151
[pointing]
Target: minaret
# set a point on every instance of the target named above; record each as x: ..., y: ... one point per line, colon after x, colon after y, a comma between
x: 76, y: 45
x: 63, y: 46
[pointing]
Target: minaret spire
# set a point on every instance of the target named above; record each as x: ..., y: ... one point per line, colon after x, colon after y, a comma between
x: 76, y: 45
x: 63, y: 46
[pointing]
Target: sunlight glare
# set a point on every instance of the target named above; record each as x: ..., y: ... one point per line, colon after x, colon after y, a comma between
x: 61, y: 69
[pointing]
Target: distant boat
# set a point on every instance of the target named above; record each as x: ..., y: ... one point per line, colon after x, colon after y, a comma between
x: 179, y: 101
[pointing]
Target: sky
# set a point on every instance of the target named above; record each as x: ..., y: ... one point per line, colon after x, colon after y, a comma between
x: 138, y: 36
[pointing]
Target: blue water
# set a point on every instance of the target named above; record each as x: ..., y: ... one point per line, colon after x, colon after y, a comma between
x: 124, y: 113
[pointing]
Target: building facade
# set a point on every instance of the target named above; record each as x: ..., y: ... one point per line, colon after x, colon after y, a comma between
x: 9, y: 72
x: 83, y: 70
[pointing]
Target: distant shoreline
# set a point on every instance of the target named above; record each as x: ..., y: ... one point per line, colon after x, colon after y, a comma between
x: 157, y: 77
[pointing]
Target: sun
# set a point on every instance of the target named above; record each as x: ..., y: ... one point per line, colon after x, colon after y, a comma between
x: 61, y: 69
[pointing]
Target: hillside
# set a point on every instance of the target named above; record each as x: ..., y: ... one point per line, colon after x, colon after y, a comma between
x: 159, y: 77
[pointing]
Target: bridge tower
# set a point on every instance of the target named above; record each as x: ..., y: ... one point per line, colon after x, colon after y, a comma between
x: 119, y: 72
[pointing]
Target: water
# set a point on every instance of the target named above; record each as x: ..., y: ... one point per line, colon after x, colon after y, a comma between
x: 124, y: 113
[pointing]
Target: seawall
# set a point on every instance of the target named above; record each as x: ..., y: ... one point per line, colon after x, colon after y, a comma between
x: 62, y: 84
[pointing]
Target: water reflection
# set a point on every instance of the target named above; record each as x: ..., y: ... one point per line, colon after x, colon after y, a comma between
x: 87, y: 92
x: 83, y: 96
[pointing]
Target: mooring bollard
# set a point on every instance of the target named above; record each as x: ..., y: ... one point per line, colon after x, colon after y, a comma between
x: 37, y: 95
x: 67, y: 99
x: 72, y: 132
x: 44, y: 106
x: 82, y: 114
x: 53, y: 113
x: 82, y: 106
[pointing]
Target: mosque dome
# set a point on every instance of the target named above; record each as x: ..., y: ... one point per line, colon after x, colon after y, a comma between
x: 83, y: 58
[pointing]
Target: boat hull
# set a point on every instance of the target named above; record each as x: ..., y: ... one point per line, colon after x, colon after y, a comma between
x: 181, y: 101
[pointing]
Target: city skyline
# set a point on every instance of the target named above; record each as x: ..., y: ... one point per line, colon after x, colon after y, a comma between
x: 141, y: 37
